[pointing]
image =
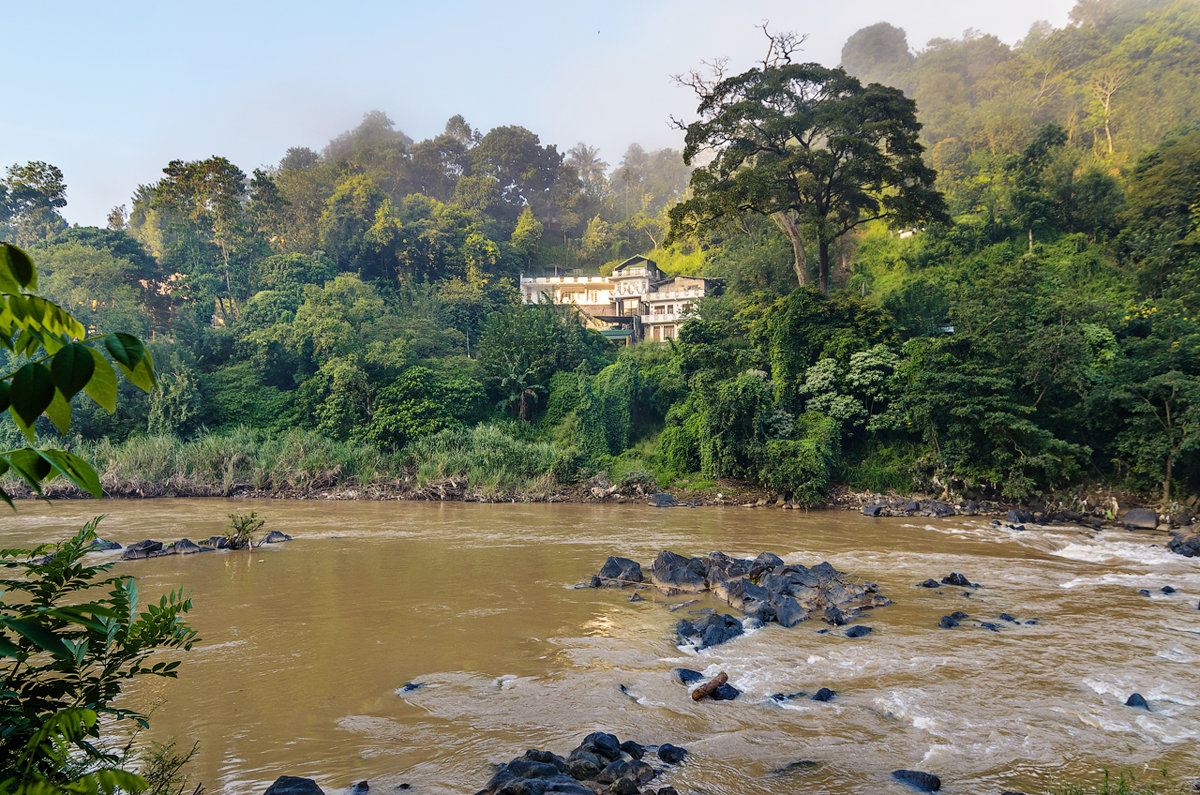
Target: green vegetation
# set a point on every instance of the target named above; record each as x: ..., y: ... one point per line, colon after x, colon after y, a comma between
x: 241, y: 530
x: 1006, y: 250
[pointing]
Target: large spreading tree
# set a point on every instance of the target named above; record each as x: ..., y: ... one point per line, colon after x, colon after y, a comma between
x: 812, y: 148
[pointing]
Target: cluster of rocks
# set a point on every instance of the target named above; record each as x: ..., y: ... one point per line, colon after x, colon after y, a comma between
x: 930, y: 508
x: 156, y: 549
x: 1186, y: 544
x: 600, y: 764
x: 765, y: 589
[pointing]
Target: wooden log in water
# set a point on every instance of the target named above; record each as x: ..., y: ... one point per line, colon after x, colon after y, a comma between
x: 708, y: 687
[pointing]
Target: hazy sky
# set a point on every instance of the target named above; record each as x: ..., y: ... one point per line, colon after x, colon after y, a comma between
x: 111, y: 92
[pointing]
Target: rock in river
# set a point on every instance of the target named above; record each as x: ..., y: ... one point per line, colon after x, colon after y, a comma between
x: 143, y: 549
x: 710, y: 630
x: 293, y: 785
x: 1186, y: 544
x: 926, y: 782
x: 618, y: 572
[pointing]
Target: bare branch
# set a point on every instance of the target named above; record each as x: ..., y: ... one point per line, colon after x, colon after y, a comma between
x: 780, y: 46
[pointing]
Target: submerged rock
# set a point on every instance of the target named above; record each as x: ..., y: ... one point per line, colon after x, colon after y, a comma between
x: 709, y: 630
x: 275, y: 537
x: 100, y: 545
x: 293, y: 785
x: 183, y: 547
x: 824, y: 694
x: 686, y: 676
x: 618, y: 571
x: 958, y: 581
x: 858, y: 632
x: 1186, y: 544
x: 948, y: 622
x: 142, y: 550
x: 1136, y: 700
x: 925, y: 782
x: 671, y: 754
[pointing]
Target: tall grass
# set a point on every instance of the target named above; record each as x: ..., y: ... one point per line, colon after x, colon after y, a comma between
x: 241, y: 458
x: 1124, y: 783
x: 493, y: 458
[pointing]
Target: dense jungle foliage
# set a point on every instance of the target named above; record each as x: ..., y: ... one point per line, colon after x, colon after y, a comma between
x: 358, y: 306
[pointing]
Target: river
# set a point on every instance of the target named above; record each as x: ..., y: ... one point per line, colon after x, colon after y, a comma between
x: 306, y: 647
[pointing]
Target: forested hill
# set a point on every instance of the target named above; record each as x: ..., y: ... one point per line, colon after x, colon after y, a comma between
x: 1030, y: 325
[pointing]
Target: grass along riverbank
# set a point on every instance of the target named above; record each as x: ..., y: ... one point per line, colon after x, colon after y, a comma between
x: 298, y: 461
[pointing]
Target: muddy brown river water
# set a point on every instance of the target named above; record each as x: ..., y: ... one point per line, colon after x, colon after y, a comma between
x: 307, y: 646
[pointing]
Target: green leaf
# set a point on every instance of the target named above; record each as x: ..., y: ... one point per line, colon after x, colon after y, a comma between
x: 30, y: 465
x: 126, y: 349
x: 72, y: 368
x: 59, y: 412
x: 75, y: 469
x: 31, y: 392
x: 8, y: 648
x: 3, y: 396
x: 16, y: 269
x: 42, y: 637
x: 102, y: 387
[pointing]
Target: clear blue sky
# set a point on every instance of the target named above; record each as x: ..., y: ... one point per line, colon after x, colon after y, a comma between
x: 111, y: 92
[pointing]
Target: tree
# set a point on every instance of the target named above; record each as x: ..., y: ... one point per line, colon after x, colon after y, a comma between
x: 878, y: 54
x: 30, y: 198
x: 813, y: 149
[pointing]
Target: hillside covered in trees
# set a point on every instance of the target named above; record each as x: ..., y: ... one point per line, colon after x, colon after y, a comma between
x: 1037, y: 331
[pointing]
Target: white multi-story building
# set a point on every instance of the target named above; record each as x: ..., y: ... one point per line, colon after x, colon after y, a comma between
x: 637, y: 301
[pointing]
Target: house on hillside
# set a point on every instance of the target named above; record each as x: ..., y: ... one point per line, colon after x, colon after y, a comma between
x: 637, y: 301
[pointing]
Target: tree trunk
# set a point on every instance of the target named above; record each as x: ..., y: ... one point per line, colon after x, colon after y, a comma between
x: 711, y: 685
x: 787, y: 224
x: 823, y: 266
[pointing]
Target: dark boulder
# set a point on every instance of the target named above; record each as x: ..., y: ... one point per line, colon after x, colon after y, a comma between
x: 618, y: 571
x: 1144, y: 591
x: 361, y: 788
x: 948, y: 622
x: 275, y: 537
x: 1018, y: 517
x: 1167, y: 589
x: 637, y: 597
x: 1186, y: 544
x: 603, y: 744
x: 675, y: 573
x: 100, y: 545
x: 958, y: 581
x: 858, y: 631
x: 142, y: 549
x: 911, y: 507
x: 1136, y: 700
x: 824, y: 694
x: 1140, y: 519
x: 635, y: 750
x: 671, y: 754
x: 686, y: 676
x: 959, y: 615
x: 940, y: 510
x: 662, y: 501
x: 1008, y: 618
x: 925, y: 782
x: 989, y: 625
x: 725, y: 692
x: 710, y: 630
x: 293, y: 785
x: 751, y: 599
x: 872, y: 510
x: 216, y: 542
x: 765, y: 562
x: 720, y: 568
x: 788, y: 611
x: 411, y: 686
x: 930, y: 583
x: 183, y: 547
